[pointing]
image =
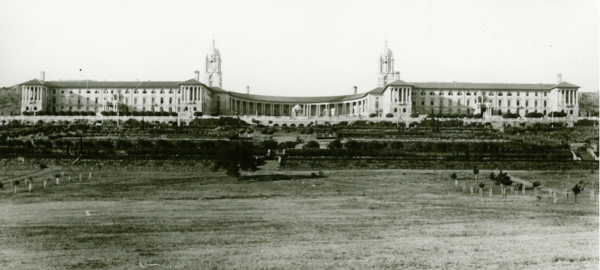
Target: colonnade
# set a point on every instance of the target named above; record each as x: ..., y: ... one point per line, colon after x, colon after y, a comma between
x: 191, y: 94
x: 237, y: 106
x: 33, y: 93
x: 400, y: 95
x: 568, y: 97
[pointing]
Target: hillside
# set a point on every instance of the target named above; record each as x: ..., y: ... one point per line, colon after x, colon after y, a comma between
x: 588, y: 102
x: 10, y: 100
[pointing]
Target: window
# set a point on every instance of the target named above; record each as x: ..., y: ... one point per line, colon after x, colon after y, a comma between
x: 536, y: 103
x: 135, y: 91
x: 518, y: 94
x: 422, y: 102
x: 508, y: 103
x: 544, y: 103
x: 459, y: 94
x: 152, y: 101
x: 500, y: 94
x: 135, y: 101
x: 422, y: 93
x: 414, y: 103
x: 468, y: 102
x: 431, y: 103
x: 144, y: 101
x: 499, y: 103
x: 395, y: 110
x: 88, y: 91
x: 526, y: 103
x: 545, y: 93
x: 450, y: 93
x: 491, y: 94
x: 441, y: 93
x: 170, y: 101
x: 468, y: 93
x: 96, y: 101
x: 431, y: 94
x: 526, y: 94
x: 536, y: 94
x: 144, y: 91
x: 54, y: 91
x: 518, y: 103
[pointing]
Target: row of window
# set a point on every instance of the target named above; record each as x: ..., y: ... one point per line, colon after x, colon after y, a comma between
x: 499, y: 103
x: 475, y: 94
x: 106, y: 91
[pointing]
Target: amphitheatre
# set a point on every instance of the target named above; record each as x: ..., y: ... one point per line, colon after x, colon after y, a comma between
x: 188, y: 175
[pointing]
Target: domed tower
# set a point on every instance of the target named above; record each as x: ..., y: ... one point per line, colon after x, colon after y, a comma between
x: 212, y: 74
x: 386, y: 67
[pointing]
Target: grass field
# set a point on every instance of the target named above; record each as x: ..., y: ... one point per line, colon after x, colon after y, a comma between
x: 389, y: 219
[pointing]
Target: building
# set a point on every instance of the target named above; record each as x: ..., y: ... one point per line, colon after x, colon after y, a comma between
x: 391, y: 96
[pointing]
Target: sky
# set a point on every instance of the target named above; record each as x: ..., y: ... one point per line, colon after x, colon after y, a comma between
x: 302, y: 48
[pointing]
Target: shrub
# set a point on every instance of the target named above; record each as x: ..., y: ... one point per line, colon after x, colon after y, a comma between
x: 534, y: 115
x: 389, y: 115
x: 372, y: 115
x: 197, y: 114
x: 557, y: 114
x: 453, y: 176
x: 312, y: 145
x: 536, y: 184
x: 481, y: 185
x: 414, y: 115
x: 173, y: 114
x: 509, y: 115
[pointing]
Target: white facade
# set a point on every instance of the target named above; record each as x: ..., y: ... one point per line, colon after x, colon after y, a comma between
x: 391, y: 96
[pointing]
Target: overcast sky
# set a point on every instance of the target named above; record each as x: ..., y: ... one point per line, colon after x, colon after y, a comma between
x: 302, y: 48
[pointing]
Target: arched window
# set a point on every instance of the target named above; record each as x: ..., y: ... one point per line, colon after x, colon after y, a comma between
x: 403, y: 109
x: 431, y: 94
x: 395, y: 110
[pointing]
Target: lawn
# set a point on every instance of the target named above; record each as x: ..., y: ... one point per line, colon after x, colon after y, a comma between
x: 382, y: 219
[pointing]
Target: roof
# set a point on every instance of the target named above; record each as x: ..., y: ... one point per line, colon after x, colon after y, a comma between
x: 33, y: 82
x: 400, y: 83
x: 566, y: 85
x: 218, y: 90
x: 191, y: 82
x: 297, y: 99
x: 376, y: 91
x: 482, y: 86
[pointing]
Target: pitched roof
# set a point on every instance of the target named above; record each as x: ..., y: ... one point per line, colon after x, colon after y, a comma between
x: 217, y: 89
x: 566, y: 85
x: 376, y: 91
x: 105, y: 84
x: 482, y: 86
x: 400, y: 83
x: 191, y: 82
x: 33, y: 82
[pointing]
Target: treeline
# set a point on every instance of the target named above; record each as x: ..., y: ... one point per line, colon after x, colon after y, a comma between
x: 435, y: 150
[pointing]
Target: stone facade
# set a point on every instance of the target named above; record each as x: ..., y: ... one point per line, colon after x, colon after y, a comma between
x: 391, y: 96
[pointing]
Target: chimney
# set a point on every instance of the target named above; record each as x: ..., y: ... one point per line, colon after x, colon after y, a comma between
x: 558, y: 78
x: 355, y: 90
x: 197, y: 77
x: 247, y: 89
x: 42, y: 76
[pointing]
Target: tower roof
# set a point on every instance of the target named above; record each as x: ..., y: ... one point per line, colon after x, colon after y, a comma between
x: 213, y: 50
x: 386, y: 52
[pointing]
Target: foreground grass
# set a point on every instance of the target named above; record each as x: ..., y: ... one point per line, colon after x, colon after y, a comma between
x: 347, y: 220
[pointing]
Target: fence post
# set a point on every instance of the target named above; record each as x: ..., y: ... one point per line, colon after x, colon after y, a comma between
x: 555, y: 197
x: 90, y: 176
x: 471, y: 190
x: 79, y: 177
x: 523, y: 189
x: 591, y: 194
x: 456, y: 183
x: 490, y: 192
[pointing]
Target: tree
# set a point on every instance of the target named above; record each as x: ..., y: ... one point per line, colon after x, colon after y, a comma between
x: 16, y: 184
x: 453, y: 176
x: 501, y: 178
x: 481, y: 185
x: 312, y: 145
x: 576, y: 190
x: 235, y: 156
x: 335, y: 144
x: 475, y: 172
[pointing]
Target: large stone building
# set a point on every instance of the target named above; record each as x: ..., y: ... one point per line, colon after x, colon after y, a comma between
x: 391, y: 96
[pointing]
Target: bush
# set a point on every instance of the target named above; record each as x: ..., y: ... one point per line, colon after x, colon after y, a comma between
x: 197, y: 114
x: 372, y: 115
x: 312, y: 145
x: 509, y: 115
x: 557, y: 114
x: 389, y: 115
x: 173, y: 114
x: 534, y: 115
x: 536, y: 184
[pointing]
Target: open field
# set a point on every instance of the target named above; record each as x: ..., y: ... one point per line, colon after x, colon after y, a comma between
x: 381, y: 219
